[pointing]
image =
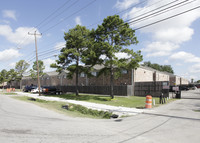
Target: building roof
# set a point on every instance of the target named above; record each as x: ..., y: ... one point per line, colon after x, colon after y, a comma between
x: 52, y: 73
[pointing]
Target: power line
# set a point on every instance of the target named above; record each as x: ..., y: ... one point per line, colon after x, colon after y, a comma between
x: 93, y: 24
x: 158, y: 12
x: 45, y: 53
x: 56, y: 50
x: 171, y: 8
x: 53, y: 13
x: 70, y: 16
x: 128, y: 22
x: 137, y: 5
x: 166, y: 18
x: 59, y: 13
x: 152, y: 11
x: 121, y: 11
x: 131, y: 22
x: 26, y: 37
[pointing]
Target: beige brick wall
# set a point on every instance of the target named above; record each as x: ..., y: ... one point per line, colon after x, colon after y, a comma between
x: 184, y: 81
x: 161, y: 76
x: 178, y: 80
x: 175, y: 80
x: 143, y: 75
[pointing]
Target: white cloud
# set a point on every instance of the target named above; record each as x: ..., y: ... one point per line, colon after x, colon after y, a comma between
x: 47, y: 63
x: 156, y: 49
x: 195, y: 68
x: 19, y: 36
x: 78, y: 20
x: 9, y: 54
x: 9, y: 14
x: 124, y: 4
x: 12, y: 65
x: 175, y: 35
x: 174, y: 31
x: 185, y: 57
x: 59, y: 45
x: 169, y: 35
x: 188, y: 60
x: 121, y: 55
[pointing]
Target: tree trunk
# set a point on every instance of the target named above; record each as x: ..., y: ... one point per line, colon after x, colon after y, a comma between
x: 3, y: 85
x: 111, y: 82
x: 21, y: 85
x: 77, y: 92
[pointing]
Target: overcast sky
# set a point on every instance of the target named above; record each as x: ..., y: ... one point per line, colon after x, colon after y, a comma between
x: 173, y: 41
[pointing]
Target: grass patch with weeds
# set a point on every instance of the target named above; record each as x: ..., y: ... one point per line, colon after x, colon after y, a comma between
x: 8, y: 93
x: 128, y: 101
x: 73, y: 110
x: 196, y: 110
x: 86, y: 111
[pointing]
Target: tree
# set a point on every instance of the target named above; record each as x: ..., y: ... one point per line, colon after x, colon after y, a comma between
x: 71, y: 56
x: 111, y: 39
x: 3, y: 76
x: 20, y: 68
x: 34, y: 70
x: 198, y: 81
x: 165, y: 68
x: 11, y: 75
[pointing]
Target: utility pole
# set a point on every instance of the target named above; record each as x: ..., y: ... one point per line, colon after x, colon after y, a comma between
x: 38, y: 78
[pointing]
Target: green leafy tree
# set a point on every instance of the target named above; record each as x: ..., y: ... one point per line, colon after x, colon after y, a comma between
x: 164, y: 68
x: 111, y: 39
x: 21, y: 68
x: 167, y: 68
x: 33, y: 71
x: 71, y: 56
x: 11, y: 76
x: 3, y: 77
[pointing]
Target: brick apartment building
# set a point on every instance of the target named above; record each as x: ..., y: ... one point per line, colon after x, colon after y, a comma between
x: 128, y: 80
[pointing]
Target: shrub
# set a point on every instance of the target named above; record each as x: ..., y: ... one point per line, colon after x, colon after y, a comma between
x: 95, y: 113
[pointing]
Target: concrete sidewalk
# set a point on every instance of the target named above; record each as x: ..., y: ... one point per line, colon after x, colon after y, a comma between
x: 121, y: 111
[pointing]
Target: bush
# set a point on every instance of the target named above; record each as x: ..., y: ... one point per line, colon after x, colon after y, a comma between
x: 95, y: 113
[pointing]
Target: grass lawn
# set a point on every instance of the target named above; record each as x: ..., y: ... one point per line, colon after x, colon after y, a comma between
x: 57, y: 107
x: 8, y: 93
x: 131, y: 101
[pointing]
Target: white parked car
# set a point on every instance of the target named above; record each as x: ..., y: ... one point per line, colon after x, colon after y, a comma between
x: 36, y: 90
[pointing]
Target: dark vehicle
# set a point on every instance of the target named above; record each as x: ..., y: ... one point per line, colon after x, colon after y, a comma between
x: 184, y: 88
x: 50, y: 90
x: 29, y: 88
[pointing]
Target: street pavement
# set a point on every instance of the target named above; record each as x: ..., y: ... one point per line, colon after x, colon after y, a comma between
x: 176, y: 122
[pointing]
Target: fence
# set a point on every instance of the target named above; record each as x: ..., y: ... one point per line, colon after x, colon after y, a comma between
x: 140, y: 89
x: 151, y: 88
x: 103, y: 90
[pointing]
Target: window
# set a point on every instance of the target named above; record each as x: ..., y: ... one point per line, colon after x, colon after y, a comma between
x: 124, y: 71
x: 64, y: 76
x: 58, y: 77
x: 47, y: 77
x: 82, y: 75
x: 94, y: 73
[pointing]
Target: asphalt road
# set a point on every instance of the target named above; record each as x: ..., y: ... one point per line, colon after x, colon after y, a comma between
x: 177, y: 122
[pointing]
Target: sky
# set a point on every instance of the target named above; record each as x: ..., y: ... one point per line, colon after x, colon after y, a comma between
x: 167, y: 30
